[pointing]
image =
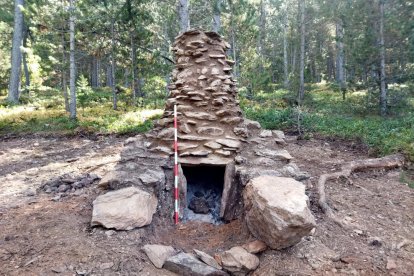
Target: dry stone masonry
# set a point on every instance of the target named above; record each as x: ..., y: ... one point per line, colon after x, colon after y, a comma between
x: 210, y: 119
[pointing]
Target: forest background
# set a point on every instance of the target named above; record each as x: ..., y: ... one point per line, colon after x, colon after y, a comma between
x: 337, y: 68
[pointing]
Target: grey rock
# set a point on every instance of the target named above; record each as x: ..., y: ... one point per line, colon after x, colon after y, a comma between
x: 63, y: 188
x: 229, y: 143
x: 124, y: 209
x: 206, y: 258
x: 276, y: 210
x: 188, y: 265
x: 238, y: 261
x: 158, y: 254
x: 153, y: 177
x: 199, y: 205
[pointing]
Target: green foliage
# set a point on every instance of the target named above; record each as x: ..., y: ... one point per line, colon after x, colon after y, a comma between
x: 83, y: 90
x: 326, y: 113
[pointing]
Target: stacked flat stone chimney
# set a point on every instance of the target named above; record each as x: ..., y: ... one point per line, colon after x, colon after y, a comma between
x: 209, y: 117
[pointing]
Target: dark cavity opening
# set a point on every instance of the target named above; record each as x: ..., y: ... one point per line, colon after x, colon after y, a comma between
x: 204, y: 190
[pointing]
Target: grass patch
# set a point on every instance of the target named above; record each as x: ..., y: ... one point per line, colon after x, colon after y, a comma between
x: 45, y: 113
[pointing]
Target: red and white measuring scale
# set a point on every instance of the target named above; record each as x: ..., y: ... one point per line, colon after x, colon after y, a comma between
x: 175, y: 166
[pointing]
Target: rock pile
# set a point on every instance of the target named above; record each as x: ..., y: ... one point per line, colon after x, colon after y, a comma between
x: 235, y: 261
x: 69, y: 183
x: 204, y: 91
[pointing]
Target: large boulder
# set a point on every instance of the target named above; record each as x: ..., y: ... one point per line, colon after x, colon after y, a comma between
x: 277, y: 211
x: 124, y: 209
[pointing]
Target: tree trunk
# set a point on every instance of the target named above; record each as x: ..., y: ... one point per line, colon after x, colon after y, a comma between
x: 24, y: 57
x: 301, y: 92
x: 183, y: 14
x: 63, y: 72
x: 340, y: 56
x: 262, y: 30
x: 72, y: 81
x: 216, y: 15
x: 383, y: 96
x: 96, y: 64
x: 135, y: 80
x: 108, y: 74
x: 16, y: 55
x: 285, y: 46
x: 114, y: 95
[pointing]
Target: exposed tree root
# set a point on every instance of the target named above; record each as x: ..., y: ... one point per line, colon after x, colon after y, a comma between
x: 387, y: 162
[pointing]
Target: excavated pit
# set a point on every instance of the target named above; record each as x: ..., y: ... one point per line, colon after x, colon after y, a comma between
x: 204, y: 193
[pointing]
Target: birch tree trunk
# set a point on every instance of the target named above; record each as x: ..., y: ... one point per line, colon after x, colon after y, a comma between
x: 301, y: 92
x: 216, y: 15
x: 115, y: 97
x: 183, y: 14
x: 72, y: 81
x: 285, y: 46
x: 16, y: 55
x: 383, y: 96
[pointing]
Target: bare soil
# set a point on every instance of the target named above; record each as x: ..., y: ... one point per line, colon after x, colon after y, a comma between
x: 41, y: 234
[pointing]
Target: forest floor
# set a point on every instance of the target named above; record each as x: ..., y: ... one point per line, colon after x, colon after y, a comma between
x: 41, y: 234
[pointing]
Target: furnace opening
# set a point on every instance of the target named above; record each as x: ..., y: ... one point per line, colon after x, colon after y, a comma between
x: 204, y: 191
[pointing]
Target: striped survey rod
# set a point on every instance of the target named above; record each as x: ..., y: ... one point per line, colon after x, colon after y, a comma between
x: 175, y: 166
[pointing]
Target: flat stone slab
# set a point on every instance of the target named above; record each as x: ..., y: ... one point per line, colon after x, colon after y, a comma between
x: 124, y: 209
x: 158, y: 254
x: 186, y: 264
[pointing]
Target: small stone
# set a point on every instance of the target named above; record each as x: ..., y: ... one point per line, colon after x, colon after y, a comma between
x: 200, y: 115
x: 375, y: 241
x: 278, y: 134
x: 276, y: 154
x: 391, y: 264
x: 167, y: 133
x: 213, y: 131
x: 223, y: 152
x: 200, y: 153
x: 153, y: 177
x: 207, y: 259
x: 238, y: 261
x: 255, y: 247
x: 104, y: 266
x: 215, y: 71
x: 229, y: 143
x: 109, y: 233
x: 59, y: 269
x: 199, y: 205
x: 213, y: 145
x: 266, y: 133
x: 184, y: 128
x: 240, y: 160
x: 63, y: 188
x: 29, y: 192
x: 186, y: 264
x: 231, y: 120
x: 158, y: 254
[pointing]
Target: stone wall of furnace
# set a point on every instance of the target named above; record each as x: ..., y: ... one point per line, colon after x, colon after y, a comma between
x: 211, y: 126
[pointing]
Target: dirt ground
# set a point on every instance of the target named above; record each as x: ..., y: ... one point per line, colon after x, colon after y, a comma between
x: 41, y: 234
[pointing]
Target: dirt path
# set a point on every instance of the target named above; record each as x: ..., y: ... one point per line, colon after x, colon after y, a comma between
x: 42, y: 235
